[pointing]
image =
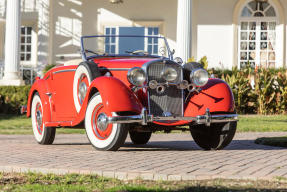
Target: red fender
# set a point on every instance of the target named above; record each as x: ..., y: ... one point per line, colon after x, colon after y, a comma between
x: 41, y: 87
x: 117, y: 97
x: 215, y: 95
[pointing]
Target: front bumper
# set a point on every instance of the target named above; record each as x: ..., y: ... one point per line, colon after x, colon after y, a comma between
x: 144, y: 118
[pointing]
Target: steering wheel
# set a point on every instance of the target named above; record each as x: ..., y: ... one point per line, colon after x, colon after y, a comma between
x: 90, y: 51
x: 138, y: 52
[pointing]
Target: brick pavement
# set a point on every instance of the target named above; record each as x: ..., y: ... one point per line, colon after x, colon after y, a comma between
x: 165, y: 157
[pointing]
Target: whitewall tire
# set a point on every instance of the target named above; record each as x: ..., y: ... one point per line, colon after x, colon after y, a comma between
x: 43, y: 135
x: 103, y: 137
x: 82, y: 81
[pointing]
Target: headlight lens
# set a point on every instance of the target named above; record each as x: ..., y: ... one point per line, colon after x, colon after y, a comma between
x: 199, y: 77
x: 136, y: 76
x: 169, y: 74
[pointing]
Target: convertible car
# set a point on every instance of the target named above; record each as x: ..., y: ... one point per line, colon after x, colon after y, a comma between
x: 131, y: 84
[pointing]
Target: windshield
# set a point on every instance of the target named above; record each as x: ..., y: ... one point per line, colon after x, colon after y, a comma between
x: 113, y: 45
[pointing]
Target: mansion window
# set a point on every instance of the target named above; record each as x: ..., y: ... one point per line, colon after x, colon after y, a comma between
x: 257, y: 35
x: 152, y: 42
x: 115, y: 45
x: 110, y: 42
x: 26, y: 43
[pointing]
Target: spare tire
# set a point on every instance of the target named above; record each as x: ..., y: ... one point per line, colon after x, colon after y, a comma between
x: 84, y: 75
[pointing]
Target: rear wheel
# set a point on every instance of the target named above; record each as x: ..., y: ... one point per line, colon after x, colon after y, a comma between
x: 215, y: 137
x: 82, y: 81
x: 102, y: 136
x: 140, y: 138
x: 84, y: 75
x: 43, y: 135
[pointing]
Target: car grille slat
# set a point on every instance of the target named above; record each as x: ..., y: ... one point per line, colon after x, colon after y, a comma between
x: 171, y: 100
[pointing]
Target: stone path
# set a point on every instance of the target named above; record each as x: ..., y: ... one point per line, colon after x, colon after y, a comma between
x: 165, y: 157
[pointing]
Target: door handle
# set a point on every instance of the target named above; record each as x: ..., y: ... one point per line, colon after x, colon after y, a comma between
x: 49, y: 94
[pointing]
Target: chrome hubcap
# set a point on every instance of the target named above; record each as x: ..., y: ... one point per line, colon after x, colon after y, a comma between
x: 102, y: 122
x: 82, y: 91
x: 39, y: 119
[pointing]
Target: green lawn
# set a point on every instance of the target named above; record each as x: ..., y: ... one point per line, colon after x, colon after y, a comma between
x: 10, y: 124
x: 261, y: 123
x: 72, y: 182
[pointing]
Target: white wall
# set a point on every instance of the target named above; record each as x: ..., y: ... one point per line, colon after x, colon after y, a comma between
x: 215, y: 32
x: 216, y: 42
x: 61, y: 23
x: 74, y: 18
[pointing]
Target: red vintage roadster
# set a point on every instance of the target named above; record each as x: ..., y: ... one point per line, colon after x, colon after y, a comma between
x: 131, y: 86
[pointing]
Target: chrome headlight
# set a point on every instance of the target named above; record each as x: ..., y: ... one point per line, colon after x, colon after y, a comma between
x: 169, y: 74
x: 199, y: 77
x: 136, y: 76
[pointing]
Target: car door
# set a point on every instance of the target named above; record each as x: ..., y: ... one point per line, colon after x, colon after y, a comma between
x: 61, y: 86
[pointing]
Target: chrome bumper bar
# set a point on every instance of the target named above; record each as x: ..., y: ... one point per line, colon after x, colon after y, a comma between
x: 144, y: 118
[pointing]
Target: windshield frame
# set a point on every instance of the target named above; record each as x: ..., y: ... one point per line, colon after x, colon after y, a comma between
x: 86, y: 58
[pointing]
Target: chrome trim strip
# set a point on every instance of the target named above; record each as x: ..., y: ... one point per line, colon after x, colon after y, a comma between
x: 118, y: 69
x: 63, y: 71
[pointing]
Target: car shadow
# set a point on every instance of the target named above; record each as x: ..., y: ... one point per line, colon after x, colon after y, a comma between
x: 192, y: 146
x: 70, y: 143
x: 182, y: 146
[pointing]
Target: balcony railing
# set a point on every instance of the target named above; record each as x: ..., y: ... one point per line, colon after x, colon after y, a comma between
x: 26, y: 6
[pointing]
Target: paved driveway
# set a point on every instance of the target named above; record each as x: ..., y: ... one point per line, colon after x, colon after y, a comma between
x: 166, y: 157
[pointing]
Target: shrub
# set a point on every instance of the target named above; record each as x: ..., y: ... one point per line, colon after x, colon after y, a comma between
x: 240, y: 83
x: 261, y: 91
x: 48, y: 67
x: 12, y: 98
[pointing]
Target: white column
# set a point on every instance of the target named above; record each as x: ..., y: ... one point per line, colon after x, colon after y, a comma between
x: 12, y: 44
x: 184, y: 32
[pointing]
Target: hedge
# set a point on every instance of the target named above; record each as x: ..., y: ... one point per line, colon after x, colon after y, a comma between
x: 259, y: 91
x: 12, y: 98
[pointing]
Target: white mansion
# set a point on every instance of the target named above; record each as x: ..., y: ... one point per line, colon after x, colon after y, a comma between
x: 34, y: 33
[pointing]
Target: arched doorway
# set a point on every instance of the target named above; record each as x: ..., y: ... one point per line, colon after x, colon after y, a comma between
x: 257, y: 34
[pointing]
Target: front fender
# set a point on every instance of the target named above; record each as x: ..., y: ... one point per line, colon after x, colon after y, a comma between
x: 41, y: 87
x: 116, y: 96
x: 215, y: 95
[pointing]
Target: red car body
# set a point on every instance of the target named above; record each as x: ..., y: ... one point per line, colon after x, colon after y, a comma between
x: 61, y: 112
x: 58, y: 105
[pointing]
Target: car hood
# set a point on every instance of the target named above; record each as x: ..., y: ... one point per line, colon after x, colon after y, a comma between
x: 122, y: 62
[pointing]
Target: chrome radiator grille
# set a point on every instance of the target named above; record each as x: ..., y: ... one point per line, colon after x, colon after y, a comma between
x: 171, y: 100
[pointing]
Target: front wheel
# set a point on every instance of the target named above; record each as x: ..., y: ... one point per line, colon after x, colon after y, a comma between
x: 214, y: 137
x: 103, y: 137
x: 43, y: 135
x: 140, y: 138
